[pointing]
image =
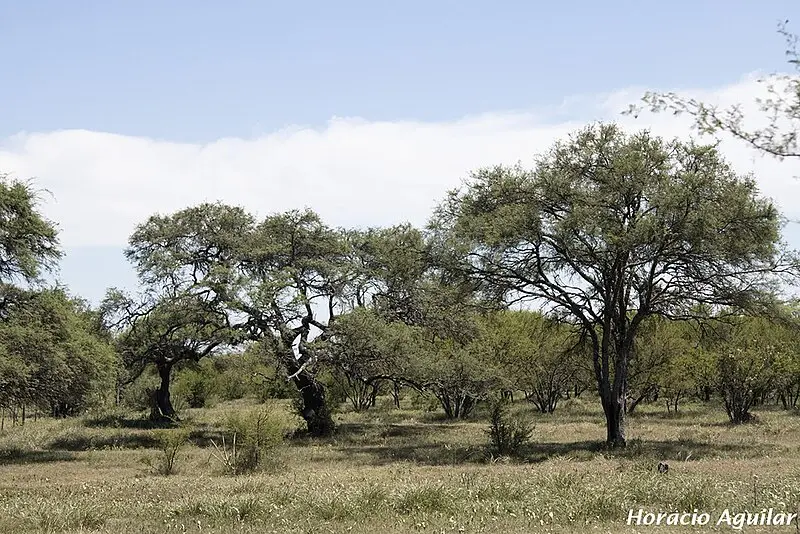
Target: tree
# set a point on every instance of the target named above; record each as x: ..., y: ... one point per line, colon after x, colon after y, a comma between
x: 780, y: 137
x: 281, y: 281
x: 28, y: 246
x: 747, y: 350
x: 28, y: 242
x: 654, y: 362
x: 609, y: 229
x: 50, y: 356
x: 458, y: 374
x: 365, y: 350
x: 534, y: 354
x: 677, y: 381
x: 788, y: 361
x: 164, y: 330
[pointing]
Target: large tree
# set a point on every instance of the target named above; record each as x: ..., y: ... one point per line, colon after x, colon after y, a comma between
x: 281, y: 281
x: 536, y: 355
x: 50, y: 354
x: 412, y: 323
x: 609, y: 229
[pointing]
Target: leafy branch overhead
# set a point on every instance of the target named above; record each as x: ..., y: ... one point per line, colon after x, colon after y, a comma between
x: 780, y: 109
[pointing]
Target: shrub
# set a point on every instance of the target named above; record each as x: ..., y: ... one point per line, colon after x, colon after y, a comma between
x: 507, y: 433
x: 194, y: 386
x: 744, y: 375
x: 251, y: 438
x: 169, y: 443
x: 137, y: 395
x: 229, y: 384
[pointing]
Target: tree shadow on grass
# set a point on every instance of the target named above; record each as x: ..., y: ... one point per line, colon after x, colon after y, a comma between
x: 685, y: 418
x: 141, y: 423
x: 129, y: 439
x: 390, y: 443
x: 203, y: 436
x: 636, y: 450
x: 14, y: 456
x: 412, y: 443
x: 348, y: 434
x: 124, y: 440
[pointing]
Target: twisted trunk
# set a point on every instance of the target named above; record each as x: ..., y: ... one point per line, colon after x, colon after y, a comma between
x: 161, y: 402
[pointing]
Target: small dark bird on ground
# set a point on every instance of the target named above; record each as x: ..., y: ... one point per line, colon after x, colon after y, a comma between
x: 663, y: 467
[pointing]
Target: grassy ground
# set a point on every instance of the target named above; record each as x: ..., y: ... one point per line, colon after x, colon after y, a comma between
x: 394, y: 471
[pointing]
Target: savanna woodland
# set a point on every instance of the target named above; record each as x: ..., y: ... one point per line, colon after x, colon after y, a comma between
x: 609, y: 329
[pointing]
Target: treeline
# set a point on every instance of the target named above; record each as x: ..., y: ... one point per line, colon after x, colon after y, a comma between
x: 518, y: 355
x: 54, y: 356
x: 656, y: 271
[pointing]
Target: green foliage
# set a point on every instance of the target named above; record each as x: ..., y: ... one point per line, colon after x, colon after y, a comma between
x: 507, y: 433
x: 137, y: 395
x: 779, y: 104
x: 365, y: 349
x: 265, y: 274
x: 259, y: 372
x: 532, y: 354
x: 28, y: 241
x: 51, y: 357
x: 660, y: 363
x: 195, y: 386
x: 251, y: 438
x: 787, y: 363
x: 460, y: 376
x: 603, y: 227
x: 169, y: 443
x: 747, y: 353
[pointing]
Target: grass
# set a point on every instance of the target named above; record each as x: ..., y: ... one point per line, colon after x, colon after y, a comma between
x: 397, y: 471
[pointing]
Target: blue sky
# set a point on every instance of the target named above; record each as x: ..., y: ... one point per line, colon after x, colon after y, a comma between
x: 197, y: 71
x: 202, y: 79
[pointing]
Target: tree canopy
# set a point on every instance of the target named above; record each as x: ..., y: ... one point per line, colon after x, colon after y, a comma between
x: 609, y: 229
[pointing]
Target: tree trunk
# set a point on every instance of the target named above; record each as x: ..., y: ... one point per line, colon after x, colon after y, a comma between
x: 614, y: 409
x: 613, y: 391
x: 315, y: 410
x: 373, y: 395
x: 162, y: 404
x: 396, y: 394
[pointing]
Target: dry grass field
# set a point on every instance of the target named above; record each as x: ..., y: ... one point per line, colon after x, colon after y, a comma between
x: 392, y: 471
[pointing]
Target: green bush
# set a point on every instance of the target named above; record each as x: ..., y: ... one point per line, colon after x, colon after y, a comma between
x: 423, y: 401
x: 276, y: 388
x: 194, y: 386
x: 507, y: 433
x: 231, y: 385
x: 250, y: 438
x: 137, y: 395
x: 170, y: 442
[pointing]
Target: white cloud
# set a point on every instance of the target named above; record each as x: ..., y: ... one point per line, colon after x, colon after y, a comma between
x: 352, y: 171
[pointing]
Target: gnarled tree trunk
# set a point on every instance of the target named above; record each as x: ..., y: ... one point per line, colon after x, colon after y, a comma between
x: 161, y: 406
x: 315, y: 410
x: 614, y: 410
